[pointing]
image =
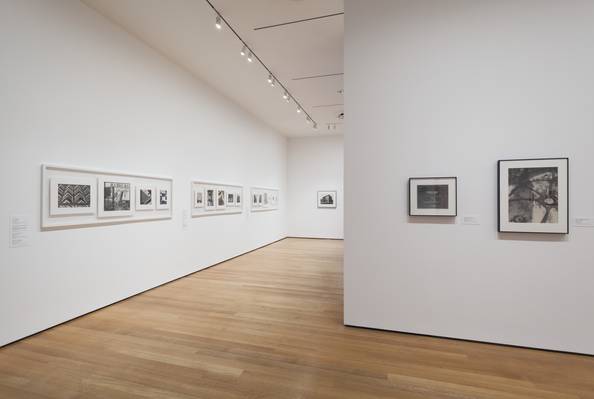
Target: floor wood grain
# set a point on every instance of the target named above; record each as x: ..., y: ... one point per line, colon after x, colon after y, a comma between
x: 269, y: 325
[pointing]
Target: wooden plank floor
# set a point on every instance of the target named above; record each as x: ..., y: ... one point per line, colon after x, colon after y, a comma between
x: 269, y: 325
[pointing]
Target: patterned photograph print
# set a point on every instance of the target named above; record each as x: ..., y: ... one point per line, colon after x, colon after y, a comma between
x: 74, y: 196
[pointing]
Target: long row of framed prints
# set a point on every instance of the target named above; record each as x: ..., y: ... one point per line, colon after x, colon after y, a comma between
x: 533, y: 196
x: 263, y: 199
x: 215, y: 199
x: 73, y: 196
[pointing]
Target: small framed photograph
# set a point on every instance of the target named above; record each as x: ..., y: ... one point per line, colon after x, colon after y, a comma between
x: 72, y: 196
x: 116, y: 196
x: 326, y: 199
x: 534, y: 196
x: 198, y: 198
x: 433, y: 196
x: 210, y: 199
x: 255, y: 203
x: 145, y: 197
x: 221, y: 198
x: 163, y: 198
x: 238, y: 196
x: 230, y: 198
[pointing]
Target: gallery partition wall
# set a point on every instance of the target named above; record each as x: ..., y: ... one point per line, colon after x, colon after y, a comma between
x: 128, y: 140
x: 446, y: 90
x: 315, y: 172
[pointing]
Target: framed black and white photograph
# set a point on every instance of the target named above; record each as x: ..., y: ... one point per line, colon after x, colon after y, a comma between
x: 433, y: 196
x: 210, y: 199
x: 534, y: 195
x: 163, y: 198
x: 198, y: 198
x: 72, y: 196
x: 238, y: 196
x: 115, y: 197
x: 221, y: 199
x: 230, y: 199
x: 145, y: 197
x: 326, y: 199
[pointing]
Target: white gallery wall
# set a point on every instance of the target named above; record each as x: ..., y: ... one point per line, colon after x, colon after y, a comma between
x: 77, y: 90
x: 315, y: 164
x: 448, y: 88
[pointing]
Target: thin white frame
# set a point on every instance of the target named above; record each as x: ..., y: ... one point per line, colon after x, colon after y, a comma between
x: 55, y: 210
x: 158, y: 204
x: 321, y: 194
x: 195, y: 203
x: 214, y: 199
x: 147, y: 207
x: 224, y: 191
x: 101, y: 212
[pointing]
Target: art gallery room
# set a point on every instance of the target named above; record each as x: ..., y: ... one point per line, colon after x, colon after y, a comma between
x: 188, y: 213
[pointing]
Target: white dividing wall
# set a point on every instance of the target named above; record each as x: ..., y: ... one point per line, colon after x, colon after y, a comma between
x: 315, y: 163
x: 447, y: 88
x: 77, y: 90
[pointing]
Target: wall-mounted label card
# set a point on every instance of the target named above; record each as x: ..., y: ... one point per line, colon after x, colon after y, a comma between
x: 584, y: 222
x: 471, y: 220
x: 19, y: 231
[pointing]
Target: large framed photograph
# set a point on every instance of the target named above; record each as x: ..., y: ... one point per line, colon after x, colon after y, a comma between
x: 116, y: 196
x: 433, y: 196
x: 72, y: 196
x: 326, y: 199
x: 534, y: 195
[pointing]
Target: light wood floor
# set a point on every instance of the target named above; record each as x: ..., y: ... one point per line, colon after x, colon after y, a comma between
x: 269, y: 325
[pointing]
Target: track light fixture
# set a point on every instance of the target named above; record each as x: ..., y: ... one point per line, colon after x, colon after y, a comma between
x: 247, y: 52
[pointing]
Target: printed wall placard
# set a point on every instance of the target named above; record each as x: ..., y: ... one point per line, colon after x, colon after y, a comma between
x: 75, y: 197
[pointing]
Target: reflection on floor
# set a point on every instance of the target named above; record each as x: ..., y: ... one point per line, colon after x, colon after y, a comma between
x: 269, y: 325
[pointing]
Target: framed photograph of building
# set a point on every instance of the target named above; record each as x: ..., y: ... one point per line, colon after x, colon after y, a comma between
x: 72, y: 196
x: 145, y: 197
x: 116, y: 196
x: 534, y: 195
x: 433, y: 196
x: 326, y: 199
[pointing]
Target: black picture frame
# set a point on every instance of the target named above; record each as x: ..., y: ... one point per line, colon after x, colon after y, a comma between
x: 452, y: 213
x: 500, y: 203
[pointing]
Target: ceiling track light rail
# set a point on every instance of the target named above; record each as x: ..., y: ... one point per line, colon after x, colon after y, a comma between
x: 251, y: 56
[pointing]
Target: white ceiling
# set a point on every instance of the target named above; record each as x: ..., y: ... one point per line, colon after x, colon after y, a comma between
x: 184, y: 31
